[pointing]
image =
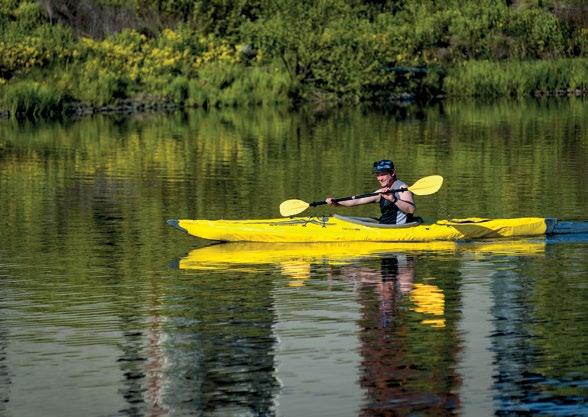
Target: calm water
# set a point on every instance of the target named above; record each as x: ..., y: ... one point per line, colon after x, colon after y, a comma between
x: 108, y: 311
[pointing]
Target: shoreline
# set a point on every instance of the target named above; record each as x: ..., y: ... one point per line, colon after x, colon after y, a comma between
x: 131, y: 107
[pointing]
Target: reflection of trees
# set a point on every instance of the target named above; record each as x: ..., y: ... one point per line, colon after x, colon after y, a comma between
x: 407, y: 366
x: 208, y: 351
x: 539, y: 342
x: 4, y: 371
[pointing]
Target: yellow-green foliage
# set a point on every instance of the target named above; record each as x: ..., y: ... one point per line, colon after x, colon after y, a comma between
x: 323, y: 49
x: 150, y: 65
x: 101, y: 72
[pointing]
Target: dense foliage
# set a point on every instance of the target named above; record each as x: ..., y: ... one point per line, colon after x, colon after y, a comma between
x: 55, y: 54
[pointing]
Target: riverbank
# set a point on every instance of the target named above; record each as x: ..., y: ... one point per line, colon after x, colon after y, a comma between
x: 131, y: 107
x: 317, y: 53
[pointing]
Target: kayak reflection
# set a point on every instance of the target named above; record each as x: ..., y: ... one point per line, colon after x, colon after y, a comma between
x: 295, y: 259
x: 393, y: 279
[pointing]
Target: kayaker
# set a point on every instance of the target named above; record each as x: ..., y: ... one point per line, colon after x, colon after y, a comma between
x: 397, y: 207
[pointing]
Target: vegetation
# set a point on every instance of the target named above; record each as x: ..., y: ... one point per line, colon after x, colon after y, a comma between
x: 59, y: 56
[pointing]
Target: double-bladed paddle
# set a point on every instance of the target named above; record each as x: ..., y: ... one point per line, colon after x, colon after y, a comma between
x: 424, y: 186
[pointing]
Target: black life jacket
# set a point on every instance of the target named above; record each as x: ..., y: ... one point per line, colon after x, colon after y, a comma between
x: 391, y: 214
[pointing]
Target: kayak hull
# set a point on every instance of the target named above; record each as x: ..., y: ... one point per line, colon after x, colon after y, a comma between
x: 360, y: 229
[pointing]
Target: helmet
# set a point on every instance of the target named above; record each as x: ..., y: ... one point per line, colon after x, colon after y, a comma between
x: 384, y: 165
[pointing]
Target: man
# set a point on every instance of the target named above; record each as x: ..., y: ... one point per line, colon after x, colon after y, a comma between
x: 397, y: 207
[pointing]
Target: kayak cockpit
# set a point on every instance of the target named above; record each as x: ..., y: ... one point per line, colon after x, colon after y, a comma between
x: 373, y: 222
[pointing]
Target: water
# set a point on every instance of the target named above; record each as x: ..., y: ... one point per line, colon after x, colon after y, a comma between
x: 108, y: 311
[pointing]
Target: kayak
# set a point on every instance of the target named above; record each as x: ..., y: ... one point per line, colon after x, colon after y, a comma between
x: 339, y: 228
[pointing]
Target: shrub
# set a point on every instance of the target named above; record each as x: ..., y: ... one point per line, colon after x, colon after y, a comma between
x: 179, y: 90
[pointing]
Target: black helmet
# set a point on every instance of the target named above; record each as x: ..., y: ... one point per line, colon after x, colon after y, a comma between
x: 384, y: 165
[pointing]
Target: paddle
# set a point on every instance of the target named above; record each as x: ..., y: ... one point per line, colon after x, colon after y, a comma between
x: 424, y: 186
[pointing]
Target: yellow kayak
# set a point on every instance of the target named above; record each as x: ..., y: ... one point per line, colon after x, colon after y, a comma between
x: 361, y: 229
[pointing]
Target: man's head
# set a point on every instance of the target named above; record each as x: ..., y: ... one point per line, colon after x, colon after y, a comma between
x: 385, y: 165
x: 385, y: 173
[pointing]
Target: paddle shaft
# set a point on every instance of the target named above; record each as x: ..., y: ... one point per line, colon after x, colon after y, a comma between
x: 355, y: 197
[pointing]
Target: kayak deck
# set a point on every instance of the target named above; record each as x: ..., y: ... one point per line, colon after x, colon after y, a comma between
x: 347, y: 229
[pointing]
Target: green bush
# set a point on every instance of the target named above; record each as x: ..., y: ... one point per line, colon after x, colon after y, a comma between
x: 538, y: 34
x: 179, y: 90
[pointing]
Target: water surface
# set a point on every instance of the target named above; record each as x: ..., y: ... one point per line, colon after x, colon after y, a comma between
x: 108, y: 311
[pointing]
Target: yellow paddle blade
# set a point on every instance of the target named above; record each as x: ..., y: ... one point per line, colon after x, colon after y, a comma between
x: 293, y: 207
x: 427, y: 185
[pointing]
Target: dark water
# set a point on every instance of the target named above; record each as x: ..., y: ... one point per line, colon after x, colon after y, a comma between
x: 108, y: 311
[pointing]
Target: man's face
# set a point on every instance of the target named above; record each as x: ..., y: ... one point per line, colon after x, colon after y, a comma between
x: 384, y: 178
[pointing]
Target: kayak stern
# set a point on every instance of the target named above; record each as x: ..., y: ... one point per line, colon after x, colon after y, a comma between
x: 176, y: 224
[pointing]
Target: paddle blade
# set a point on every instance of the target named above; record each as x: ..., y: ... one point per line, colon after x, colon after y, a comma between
x: 293, y: 207
x: 427, y: 185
